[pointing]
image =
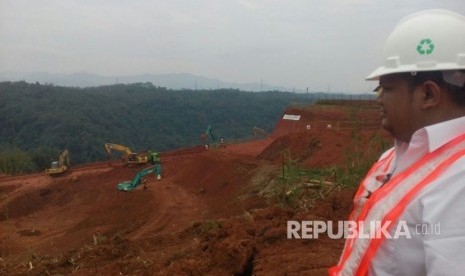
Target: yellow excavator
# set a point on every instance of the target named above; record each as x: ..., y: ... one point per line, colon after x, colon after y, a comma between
x: 259, y: 132
x: 128, y: 157
x: 60, y: 166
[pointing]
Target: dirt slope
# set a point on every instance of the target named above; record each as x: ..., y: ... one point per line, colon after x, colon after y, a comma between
x: 206, y: 215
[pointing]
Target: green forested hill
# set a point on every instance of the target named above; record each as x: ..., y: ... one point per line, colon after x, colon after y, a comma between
x: 38, y: 121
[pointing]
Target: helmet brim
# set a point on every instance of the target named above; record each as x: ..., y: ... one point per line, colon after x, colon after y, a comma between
x: 381, y: 71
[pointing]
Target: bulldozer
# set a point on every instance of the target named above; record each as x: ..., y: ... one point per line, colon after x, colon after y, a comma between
x: 128, y: 157
x: 62, y: 165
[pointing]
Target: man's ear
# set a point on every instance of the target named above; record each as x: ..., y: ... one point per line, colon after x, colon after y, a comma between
x: 432, y: 94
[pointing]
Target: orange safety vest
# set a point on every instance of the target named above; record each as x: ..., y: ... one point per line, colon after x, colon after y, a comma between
x: 389, y: 202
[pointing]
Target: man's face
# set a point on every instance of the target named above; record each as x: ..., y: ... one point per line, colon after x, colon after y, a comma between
x: 399, y: 110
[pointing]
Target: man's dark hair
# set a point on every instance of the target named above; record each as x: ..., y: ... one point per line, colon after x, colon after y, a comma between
x: 456, y: 93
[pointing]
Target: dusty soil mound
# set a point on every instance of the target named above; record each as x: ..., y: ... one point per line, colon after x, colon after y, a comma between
x: 206, y: 216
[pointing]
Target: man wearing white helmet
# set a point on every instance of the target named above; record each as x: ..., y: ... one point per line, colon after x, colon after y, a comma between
x: 412, y: 201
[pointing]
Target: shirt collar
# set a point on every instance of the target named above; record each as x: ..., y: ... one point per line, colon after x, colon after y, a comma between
x: 426, y: 140
x: 441, y: 133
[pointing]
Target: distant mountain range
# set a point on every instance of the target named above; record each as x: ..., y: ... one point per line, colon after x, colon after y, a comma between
x: 170, y: 81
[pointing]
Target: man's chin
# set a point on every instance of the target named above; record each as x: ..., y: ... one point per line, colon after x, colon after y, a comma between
x: 385, y: 125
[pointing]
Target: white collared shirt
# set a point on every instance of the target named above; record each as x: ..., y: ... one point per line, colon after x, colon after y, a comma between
x: 436, y: 217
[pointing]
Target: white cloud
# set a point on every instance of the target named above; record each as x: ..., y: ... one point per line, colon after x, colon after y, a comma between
x: 299, y: 43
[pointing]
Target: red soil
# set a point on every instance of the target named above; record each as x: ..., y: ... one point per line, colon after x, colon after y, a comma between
x: 206, y: 215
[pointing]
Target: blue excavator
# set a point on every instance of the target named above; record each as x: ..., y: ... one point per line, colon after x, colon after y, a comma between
x: 138, y: 179
x: 209, y: 134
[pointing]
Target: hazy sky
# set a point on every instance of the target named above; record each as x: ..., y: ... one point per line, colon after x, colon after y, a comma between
x: 323, y: 45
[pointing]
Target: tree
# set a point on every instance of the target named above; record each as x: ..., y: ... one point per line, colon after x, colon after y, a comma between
x: 14, y: 161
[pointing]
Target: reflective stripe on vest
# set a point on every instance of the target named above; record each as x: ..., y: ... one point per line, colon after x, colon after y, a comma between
x: 380, y: 167
x: 389, y: 202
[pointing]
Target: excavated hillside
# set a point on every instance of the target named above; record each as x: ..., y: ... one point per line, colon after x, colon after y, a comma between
x: 214, y: 212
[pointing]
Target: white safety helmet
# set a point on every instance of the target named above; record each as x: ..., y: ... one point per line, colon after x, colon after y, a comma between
x: 430, y: 40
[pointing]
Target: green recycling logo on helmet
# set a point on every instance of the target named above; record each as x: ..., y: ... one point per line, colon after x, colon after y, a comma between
x: 425, y: 47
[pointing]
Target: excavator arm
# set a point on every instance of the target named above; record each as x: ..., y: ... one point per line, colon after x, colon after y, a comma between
x: 259, y: 132
x: 64, y: 159
x: 110, y: 147
x: 209, y: 132
x: 129, y: 157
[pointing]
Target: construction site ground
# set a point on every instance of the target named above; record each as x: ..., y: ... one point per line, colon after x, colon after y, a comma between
x: 216, y: 211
